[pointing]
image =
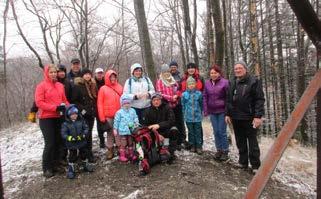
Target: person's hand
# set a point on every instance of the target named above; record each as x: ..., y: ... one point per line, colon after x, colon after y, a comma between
x: 175, y: 97
x: 115, y: 132
x: 257, y: 122
x: 153, y: 127
x: 70, y: 138
x: 61, y: 108
x: 228, y: 120
x: 161, y: 138
x: 144, y: 96
x: 32, y: 117
x: 79, y: 138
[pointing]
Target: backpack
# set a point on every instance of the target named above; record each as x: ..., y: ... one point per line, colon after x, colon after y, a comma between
x: 130, y: 83
x: 152, y: 149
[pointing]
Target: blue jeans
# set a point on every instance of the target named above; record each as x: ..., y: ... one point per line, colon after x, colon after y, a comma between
x: 195, y: 134
x: 220, y: 135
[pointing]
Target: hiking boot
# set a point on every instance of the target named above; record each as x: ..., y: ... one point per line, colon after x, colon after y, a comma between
x: 179, y: 147
x: 241, y: 166
x: 110, y: 153
x: 193, y: 149
x: 254, y: 171
x: 199, y: 151
x: 186, y: 145
x: 122, y: 155
x: 48, y: 173
x: 131, y: 154
x: 102, y: 145
x: 87, y: 167
x: 217, y: 155
x: 71, y: 171
x: 224, y: 156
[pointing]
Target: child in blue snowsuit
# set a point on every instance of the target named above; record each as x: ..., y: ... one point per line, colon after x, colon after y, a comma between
x: 192, y: 102
x: 74, y: 131
x: 124, y: 122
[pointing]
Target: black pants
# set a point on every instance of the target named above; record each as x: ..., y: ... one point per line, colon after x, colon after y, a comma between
x: 90, y: 122
x: 100, y: 131
x: 247, y: 144
x: 179, y: 122
x: 140, y: 114
x: 172, y: 134
x: 50, y: 128
x: 73, y: 157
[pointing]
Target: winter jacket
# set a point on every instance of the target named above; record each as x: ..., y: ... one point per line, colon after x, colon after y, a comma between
x: 177, y: 76
x: 67, y: 87
x: 124, y: 119
x: 74, y: 128
x: 163, y: 116
x: 135, y: 86
x: 108, y: 102
x: 214, y: 96
x: 70, y: 78
x: 192, y: 102
x: 80, y: 97
x: 245, y: 99
x: 48, y: 96
x: 99, y: 83
x: 168, y: 92
x: 199, y: 81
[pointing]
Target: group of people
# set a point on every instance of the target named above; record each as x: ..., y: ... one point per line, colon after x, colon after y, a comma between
x: 68, y: 104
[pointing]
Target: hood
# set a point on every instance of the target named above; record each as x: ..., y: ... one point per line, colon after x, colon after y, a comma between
x: 46, y: 74
x: 66, y: 112
x: 107, y: 77
x: 133, y: 67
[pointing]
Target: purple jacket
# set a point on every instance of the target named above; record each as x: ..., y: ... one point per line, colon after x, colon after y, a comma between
x: 214, y: 96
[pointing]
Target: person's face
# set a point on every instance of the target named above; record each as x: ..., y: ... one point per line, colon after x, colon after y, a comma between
x: 73, y: 116
x: 61, y: 74
x: 126, y: 106
x: 191, y: 71
x: 75, y: 67
x: 156, y: 102
x: 53, y: 74
x: 239, y: 70
x: 138, y: 72
x: 113, y: 78
x: 87, y: 76
x: 166, y: 75
x: 100, y: 76
x: 191, y: 86
x: 173, y: 69
x: 214, y: 75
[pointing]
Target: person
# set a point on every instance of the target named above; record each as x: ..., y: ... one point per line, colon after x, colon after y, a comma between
x: 214, y: 100
x: 192, y: 103
x: 84, y: 95
x: 125, y: 121
x: 139, y: 88
x: 74, y: 131
x: 108, y: 104
x: 160, y: 117
x: 169, y: 89
x: 75, y: 71
x: 32, y: 115
x: 100, y: 81
x: 192, y: 71
x: 245, y: 108
x: 174, y: 71
x: 62, y: 78
x: 50, y: 99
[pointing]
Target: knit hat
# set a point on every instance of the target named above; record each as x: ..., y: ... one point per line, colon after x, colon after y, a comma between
x: 242, y: 63
x: 173, y: 63
x: 125, y: 99
x: 72, y: 110
x: 156, y: 95
x: 164, y: 68
x: 85, y: 71
x: 61, y: 67
x: 191, y: 65
x: 190, y: 80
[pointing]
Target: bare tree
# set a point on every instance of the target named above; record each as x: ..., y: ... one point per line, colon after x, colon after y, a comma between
x: 219, y: 32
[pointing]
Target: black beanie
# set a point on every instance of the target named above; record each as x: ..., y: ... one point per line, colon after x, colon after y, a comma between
x: 61, y: 67
x: 173, y: 63
x: 85, y: 71
x: 191, y: 65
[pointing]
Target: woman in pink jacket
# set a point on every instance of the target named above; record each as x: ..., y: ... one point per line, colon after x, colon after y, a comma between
x: 108, y: 104
x: 51, y: 100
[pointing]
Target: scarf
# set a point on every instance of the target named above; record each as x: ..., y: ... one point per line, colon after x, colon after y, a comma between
x: 168, y: 80
x: 91, y: 88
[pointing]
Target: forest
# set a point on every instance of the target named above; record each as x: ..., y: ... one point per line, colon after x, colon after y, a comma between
x: 114, y: 34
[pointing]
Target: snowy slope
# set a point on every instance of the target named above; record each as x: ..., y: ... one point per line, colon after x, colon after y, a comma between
x: 22, y: 145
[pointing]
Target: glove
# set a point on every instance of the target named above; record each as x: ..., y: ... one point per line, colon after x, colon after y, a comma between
x: 70, y: 138
x: 32, y: 117
x: 79, y: 138
x: 61, y: 108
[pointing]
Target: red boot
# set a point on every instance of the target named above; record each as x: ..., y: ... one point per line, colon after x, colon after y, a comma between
x: 122, y: 155
x: 131, y: 154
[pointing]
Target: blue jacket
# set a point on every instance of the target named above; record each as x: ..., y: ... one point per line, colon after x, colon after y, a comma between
x: 74, y: 128
x: 124, y: 119
x: 192, y: 102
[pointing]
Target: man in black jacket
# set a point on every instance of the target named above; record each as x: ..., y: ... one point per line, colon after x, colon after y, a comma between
x: 245, y: 108
x: 161, y: 117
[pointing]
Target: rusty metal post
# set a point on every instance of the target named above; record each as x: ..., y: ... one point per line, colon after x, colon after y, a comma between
x: 274, y: 154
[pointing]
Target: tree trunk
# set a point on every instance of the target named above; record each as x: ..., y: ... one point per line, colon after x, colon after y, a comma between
x: 144, y: 38
x: 219, y: 32
x: 254, y: 39
x: 226, y: 49
x: 210, y: 35
x: 231, y: 37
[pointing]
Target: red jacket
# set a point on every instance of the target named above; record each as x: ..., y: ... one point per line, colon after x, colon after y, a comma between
x: 108, y: 102
x: 48, y: 96
x: 198, y: 79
